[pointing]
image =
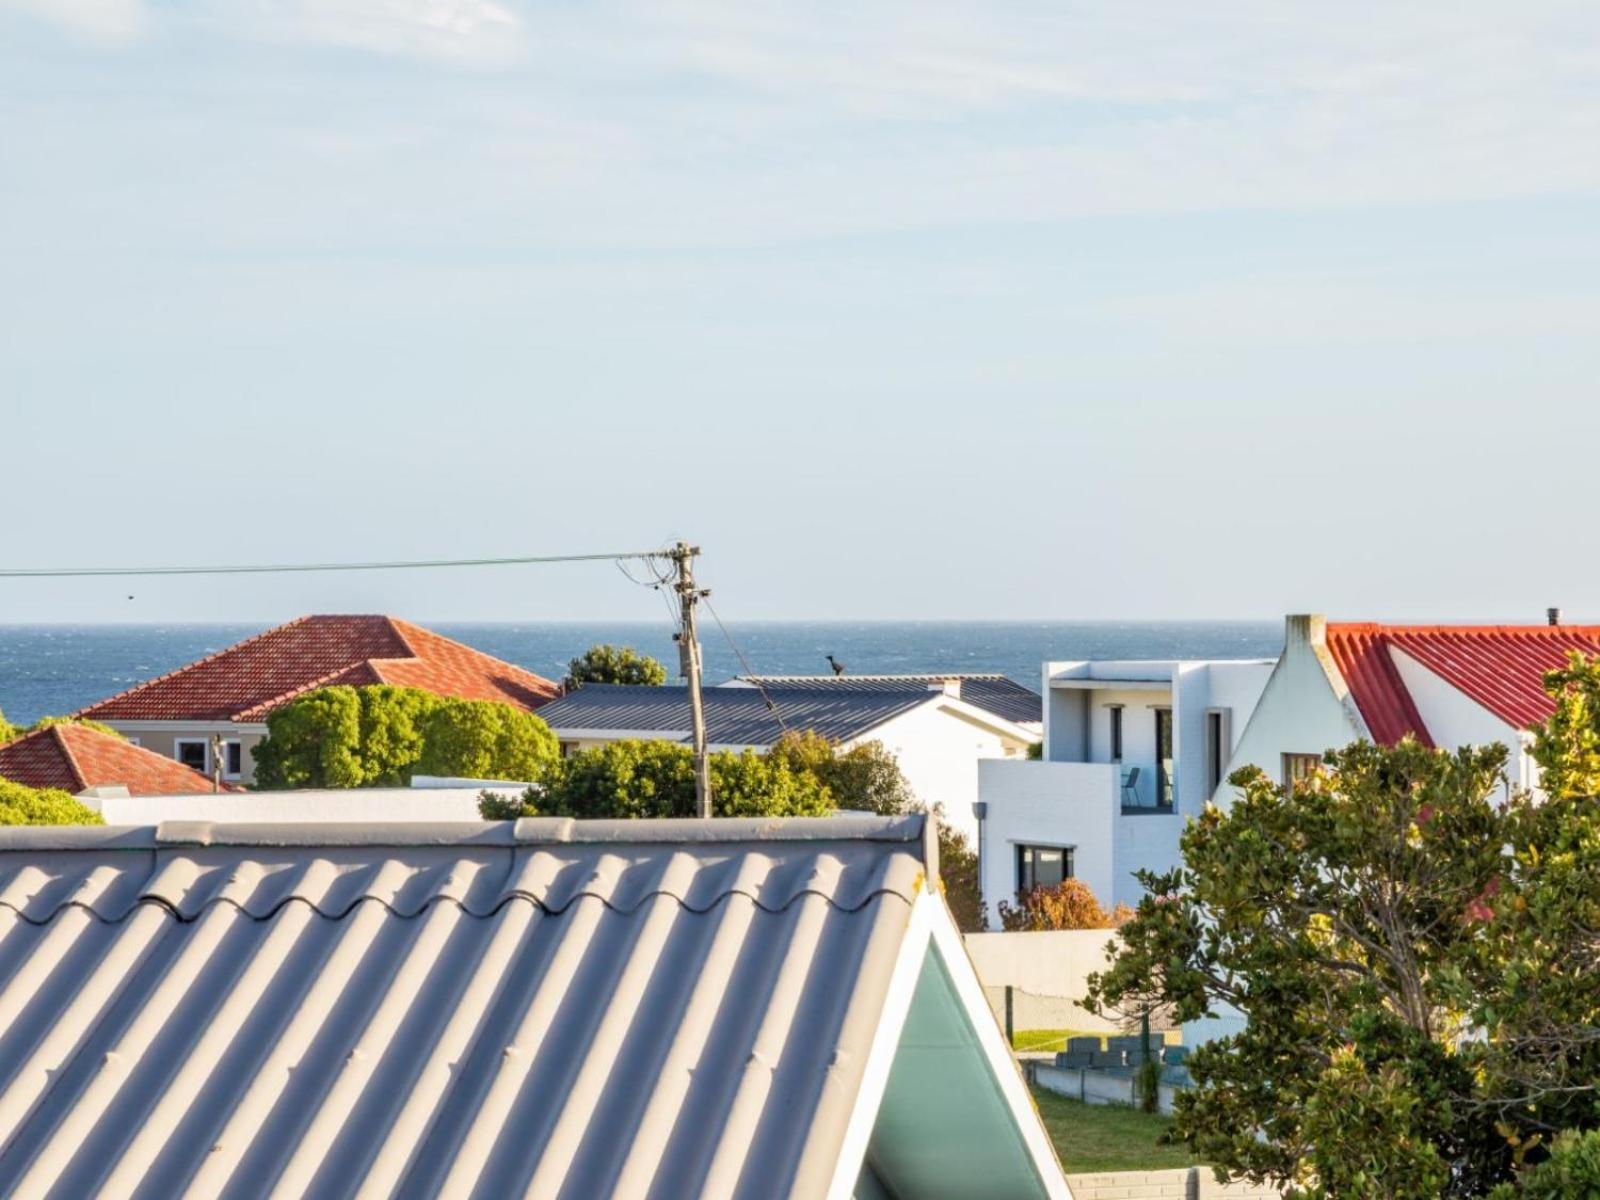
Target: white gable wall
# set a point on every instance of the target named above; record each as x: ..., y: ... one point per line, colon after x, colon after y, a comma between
x: 1304, y: 709
x: 939, y: 751
x: 1455, y: 719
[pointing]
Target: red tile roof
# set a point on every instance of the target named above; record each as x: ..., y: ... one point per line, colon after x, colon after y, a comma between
x: 73, y: 758
x: 246, y: 681
x: 1501, y: 667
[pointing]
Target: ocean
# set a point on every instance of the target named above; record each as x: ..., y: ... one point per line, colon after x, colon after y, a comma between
x: 46, y: 669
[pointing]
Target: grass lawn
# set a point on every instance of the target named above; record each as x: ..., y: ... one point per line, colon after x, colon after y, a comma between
x: 1107, y: 1137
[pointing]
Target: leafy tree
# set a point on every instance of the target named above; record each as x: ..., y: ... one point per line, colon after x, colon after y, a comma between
x: 632, y: 778
x: 867, y: 776
x: 389, y: 731
x: 613, y: 664
x: 314, y: 741
x: 958, y: 878
x: 1069, y: 904
x: 10, y: 732
x: 1415, y: 962
x: 485, y: 739
x: 1571, y: 1172
x: 20, y: 805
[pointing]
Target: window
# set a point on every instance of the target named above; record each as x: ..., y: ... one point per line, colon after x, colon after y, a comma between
x: 1164, y: 788
x: 568, y: 749
x: 1297, y: 767
x: 1116, y: 732
x: 194, y: 753
x: 1042, y: 866
x: 232, y: 759
x: 1216, y: 748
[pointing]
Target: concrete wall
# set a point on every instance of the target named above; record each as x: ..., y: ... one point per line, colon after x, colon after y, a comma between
x: 351, y: 804
x: 1053, y: 963
x: 1047, y: 804
x: 1143, y: 841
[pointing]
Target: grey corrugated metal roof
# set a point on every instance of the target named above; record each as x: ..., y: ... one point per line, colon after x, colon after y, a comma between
x: 735, y: 716
x: 994, y: 693
x: 555, y: 1008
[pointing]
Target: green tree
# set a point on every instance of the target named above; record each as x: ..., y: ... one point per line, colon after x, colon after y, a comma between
x: 8, y: 731
x: 958, y: 878
x: 47, y: 722
x: 21, y: 805
x: 1340, y: 918
x: 389, y: 732
x: 314, y: 741
x: 613, y: 664
x: 632, y: 778
x: 485, y: 739
x: 866, y: 776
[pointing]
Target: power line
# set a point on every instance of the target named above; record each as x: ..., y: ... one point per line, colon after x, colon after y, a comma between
x: 749, y: 671
x: 289, y: 568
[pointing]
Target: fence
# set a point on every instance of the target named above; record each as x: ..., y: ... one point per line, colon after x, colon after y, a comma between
x: 1036, y: 1021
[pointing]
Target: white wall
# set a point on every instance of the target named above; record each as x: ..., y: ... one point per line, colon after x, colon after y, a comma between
x: 1143, y: 841
x: 1047, y: 804
x: 1453, y: 719
x: 939, y: 751
x: 347, y: 804
x: 1047, y: 966
x: 1299, y: 712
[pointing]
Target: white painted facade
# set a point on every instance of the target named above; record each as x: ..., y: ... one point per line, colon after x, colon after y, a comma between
x: 381, y: 805
x: 1084, y: 798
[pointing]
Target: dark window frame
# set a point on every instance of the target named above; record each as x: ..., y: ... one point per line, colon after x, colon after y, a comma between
x: 1026, y: 860
x: 1116, y: 731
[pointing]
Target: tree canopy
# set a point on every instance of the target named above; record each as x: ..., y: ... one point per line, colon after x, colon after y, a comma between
x: 20, y: 805
x: 380, y: 736
x: 1415, y: 959
x: 605, y: 663
x: 799, y: 777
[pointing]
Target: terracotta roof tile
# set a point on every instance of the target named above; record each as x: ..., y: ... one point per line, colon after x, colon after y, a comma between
x: 72, y: 758
x: 248, y: 680
x: 1501, y: 667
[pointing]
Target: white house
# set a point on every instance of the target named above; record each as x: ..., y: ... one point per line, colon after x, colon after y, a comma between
x: 939, y: 737
x: 1131, y: 750
x: 1445, y: 685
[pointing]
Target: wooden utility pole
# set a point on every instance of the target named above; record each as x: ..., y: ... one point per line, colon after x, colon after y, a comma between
x: 688, y: 638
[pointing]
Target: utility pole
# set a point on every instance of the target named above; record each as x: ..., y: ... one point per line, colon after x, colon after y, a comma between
x: 688, y: 639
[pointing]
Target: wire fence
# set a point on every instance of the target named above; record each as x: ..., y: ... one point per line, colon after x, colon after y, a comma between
x: 1041, y: 1022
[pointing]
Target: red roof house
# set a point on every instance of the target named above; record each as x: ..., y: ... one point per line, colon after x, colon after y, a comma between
x: 246, y: 681
x: 75, y: 758
x: 1447, y: 686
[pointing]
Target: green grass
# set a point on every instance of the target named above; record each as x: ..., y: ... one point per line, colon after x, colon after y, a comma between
x: 1107, y: 1137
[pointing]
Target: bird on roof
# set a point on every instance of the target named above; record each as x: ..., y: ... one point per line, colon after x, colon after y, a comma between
x: 838, y: 667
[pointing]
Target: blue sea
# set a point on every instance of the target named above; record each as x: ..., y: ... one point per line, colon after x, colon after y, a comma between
x: 48, y: 669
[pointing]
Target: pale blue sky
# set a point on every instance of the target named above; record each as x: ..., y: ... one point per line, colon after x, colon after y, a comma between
x: 909, y: 309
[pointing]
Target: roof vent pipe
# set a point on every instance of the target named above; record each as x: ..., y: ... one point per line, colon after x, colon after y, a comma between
x: 1553, y: 615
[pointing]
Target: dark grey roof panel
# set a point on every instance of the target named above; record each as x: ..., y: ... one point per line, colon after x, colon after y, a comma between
x: 577, y: 1016
x: 735, y: 716
x: 997, y: 694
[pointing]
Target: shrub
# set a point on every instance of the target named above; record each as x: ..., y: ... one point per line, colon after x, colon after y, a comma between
x: 865, y: 777
x: 313, y: 741
x: 1069, y: 904
x: 21, y: 805
x: 613, y: 664
x: 484, y: 739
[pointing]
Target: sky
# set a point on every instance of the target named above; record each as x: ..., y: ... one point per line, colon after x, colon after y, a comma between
x: 909, y: 310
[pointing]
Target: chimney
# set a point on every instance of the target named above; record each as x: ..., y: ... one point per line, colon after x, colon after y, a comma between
x: 1553, y: 615
x: 1304, y: 629
x: 947, y: 687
